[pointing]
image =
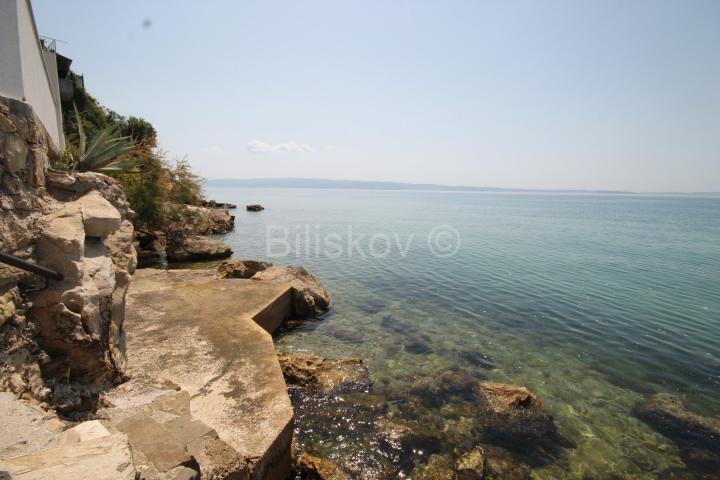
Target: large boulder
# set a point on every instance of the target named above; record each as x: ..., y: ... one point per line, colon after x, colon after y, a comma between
x: 241, y: 268
x: 310, y: 298
x: 344, y: 374
x: 185, y: 247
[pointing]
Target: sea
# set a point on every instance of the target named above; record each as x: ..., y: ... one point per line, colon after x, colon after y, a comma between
x: 593, y: 301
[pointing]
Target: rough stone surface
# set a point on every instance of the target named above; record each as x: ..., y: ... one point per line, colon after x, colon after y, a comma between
x: 180, y: 319
x: 25, y: 428
x: 513, y: 416
x: 184, y: 247
x: 104, y: 458
x: 100, y: 217
x: 471, y: 466
x: 316, y: 468
x: 344, y: 374
x: 436, y: 468
x: 200, y: 220
x: 241, y: 268
x: 61, y: 342
x: 310, y: 299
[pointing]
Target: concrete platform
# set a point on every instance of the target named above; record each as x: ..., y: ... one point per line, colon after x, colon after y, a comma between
x: 212, y: 338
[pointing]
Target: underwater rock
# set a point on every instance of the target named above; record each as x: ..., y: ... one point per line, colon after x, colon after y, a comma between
x: 370, y: 306
x: 697, y: 437
x: 412, y: 339
x: 310, y: 299
x: 670, y: 417
x: 312, y: 371
x: 513, y: 416
x: 445, y: 382
x: 477, y: 359
x: 404, y: 437
x: 471, y: 466
x: 500, y: 465
x: 436, y: 468
x: 241, y: 268
x: 343, y: 334
x: 315, y: 468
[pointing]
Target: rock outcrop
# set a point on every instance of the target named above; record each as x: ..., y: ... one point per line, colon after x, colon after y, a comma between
x: 59, y: 340
x: 310, y: 299
x: 199, y: 220
x: 241, y: 268
x: 185, y: 247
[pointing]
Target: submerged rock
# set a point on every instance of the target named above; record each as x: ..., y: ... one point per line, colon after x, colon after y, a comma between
x: 471, y: 466
x: 312, y: 371
x: 478, y: 359
x: 184, y: 247
x: 500, y: 465
x: 436, y: 468
x: 315, y: 468
x: 404, y: 438
x: 513, y: 416
x: 241, y: 268
x: 670, y: 417
x: 410, y: 337
x: 310, y: 299
x: 697, y: 437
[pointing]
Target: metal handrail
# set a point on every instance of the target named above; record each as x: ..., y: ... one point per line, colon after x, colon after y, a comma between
x: 30, y: 267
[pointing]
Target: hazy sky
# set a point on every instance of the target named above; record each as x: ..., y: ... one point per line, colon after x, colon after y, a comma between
x: 536, y: 94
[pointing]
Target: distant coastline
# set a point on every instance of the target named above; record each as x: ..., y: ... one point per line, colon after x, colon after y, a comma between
x: 374, y: 185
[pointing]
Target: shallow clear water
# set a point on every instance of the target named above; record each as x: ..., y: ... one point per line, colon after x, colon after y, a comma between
x: 592, y: 301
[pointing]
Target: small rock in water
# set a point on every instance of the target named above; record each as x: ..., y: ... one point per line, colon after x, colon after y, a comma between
x: 254, y: 208
x: 478, y: 359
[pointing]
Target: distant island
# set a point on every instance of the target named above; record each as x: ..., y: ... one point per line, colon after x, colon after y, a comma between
x: 373, y: 185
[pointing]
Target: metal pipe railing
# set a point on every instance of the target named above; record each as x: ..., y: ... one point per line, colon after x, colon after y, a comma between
x: 30, y: 267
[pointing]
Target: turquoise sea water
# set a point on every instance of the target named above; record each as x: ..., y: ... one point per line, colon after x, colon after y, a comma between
x: 592, y: 301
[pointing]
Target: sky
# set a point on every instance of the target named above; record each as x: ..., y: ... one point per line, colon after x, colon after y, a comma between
x: 577, y: 94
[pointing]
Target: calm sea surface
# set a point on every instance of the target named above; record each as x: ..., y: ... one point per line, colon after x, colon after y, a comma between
x: 592, y: 301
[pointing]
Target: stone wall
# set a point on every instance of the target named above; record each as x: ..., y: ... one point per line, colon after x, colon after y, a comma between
x: 61, y: 342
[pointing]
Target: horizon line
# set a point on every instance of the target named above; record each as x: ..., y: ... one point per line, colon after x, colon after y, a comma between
x: 435, y: 186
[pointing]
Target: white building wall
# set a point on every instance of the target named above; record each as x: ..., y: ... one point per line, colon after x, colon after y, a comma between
x: 10, y: 69
x: 23, y: 57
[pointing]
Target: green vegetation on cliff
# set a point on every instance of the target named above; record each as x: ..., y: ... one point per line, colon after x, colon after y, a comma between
x: 150, y: 181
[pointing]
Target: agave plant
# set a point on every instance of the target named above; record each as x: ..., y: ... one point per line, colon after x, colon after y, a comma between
x: 104, y: 150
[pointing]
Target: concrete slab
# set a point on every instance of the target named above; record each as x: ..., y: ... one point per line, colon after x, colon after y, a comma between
x: 199, y: 332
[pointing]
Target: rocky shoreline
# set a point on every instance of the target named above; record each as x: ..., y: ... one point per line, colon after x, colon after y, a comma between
x: 153, y: 374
